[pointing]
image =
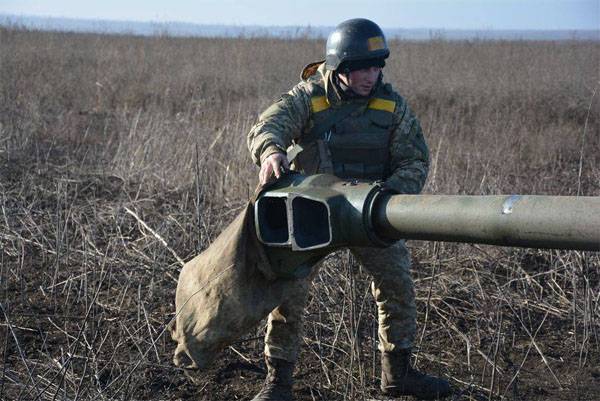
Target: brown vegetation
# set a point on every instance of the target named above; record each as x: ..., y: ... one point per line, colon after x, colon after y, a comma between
x: 121, y: 156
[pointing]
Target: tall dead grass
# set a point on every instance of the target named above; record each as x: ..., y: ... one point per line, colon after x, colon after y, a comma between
x: 121, y: 156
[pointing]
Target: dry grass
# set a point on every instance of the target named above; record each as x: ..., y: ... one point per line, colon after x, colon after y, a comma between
x: 108, y: 144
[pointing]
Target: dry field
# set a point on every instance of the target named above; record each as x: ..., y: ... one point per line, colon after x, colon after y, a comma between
x: 122, y: 156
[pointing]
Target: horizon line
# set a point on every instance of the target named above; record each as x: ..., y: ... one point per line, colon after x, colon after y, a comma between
x: 308, y: 26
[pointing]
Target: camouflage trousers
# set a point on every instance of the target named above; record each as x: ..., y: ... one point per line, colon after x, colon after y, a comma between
x: 393, y: 290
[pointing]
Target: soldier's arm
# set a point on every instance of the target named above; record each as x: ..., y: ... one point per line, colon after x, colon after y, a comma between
x: 409, y: 155
x: 277, y: 126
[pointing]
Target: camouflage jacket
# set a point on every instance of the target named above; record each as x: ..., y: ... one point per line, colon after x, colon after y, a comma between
x: 290, y: 119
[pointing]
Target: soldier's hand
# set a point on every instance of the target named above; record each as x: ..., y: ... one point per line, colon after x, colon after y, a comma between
x: 273, y: 164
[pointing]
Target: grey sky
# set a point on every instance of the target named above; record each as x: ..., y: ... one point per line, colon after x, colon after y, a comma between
x: 448, y: 14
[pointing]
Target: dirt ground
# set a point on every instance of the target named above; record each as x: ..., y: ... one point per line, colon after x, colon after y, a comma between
x: 99, y: 329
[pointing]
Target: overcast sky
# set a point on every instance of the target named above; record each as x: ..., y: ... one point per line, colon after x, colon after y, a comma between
x: 442, y: 14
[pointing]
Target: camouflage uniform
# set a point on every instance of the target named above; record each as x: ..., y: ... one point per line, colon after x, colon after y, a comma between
x: 293, y: 120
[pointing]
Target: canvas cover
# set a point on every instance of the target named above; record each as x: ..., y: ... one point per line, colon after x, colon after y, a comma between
x: 223, y: 293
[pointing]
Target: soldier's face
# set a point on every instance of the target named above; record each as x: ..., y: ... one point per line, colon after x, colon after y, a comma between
x: 361, y: 81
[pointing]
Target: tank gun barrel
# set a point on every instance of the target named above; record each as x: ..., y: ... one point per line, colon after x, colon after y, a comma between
x: 553, y: 222
x: 320, y: 213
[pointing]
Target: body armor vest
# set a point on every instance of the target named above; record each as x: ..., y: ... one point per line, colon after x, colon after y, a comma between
x: 351, y: 141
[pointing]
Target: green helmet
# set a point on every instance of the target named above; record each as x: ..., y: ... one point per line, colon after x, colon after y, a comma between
x: 355, y: 40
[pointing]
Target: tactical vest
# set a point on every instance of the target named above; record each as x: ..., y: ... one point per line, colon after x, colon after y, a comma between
x: 351, y: 141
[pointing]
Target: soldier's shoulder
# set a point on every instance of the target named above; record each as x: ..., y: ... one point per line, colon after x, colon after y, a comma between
x: 387, y: 91
x: 304, y: 90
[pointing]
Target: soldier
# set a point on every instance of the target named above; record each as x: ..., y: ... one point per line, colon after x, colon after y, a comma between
x: 344, y: 120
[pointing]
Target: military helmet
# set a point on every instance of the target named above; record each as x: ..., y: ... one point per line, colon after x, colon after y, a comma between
x: 354, y: 40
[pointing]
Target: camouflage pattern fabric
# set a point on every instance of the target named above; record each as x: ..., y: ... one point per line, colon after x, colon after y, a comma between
x: 393, y: 290
x: 290, y: 118
x: 288, y: 121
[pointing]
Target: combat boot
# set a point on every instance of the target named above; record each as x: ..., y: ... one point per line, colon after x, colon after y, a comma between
x: 399, y: 378
x: 278, y: 383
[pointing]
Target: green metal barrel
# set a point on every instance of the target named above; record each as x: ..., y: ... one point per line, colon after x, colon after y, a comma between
x: 554, y: 222
x: 320, y: 213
